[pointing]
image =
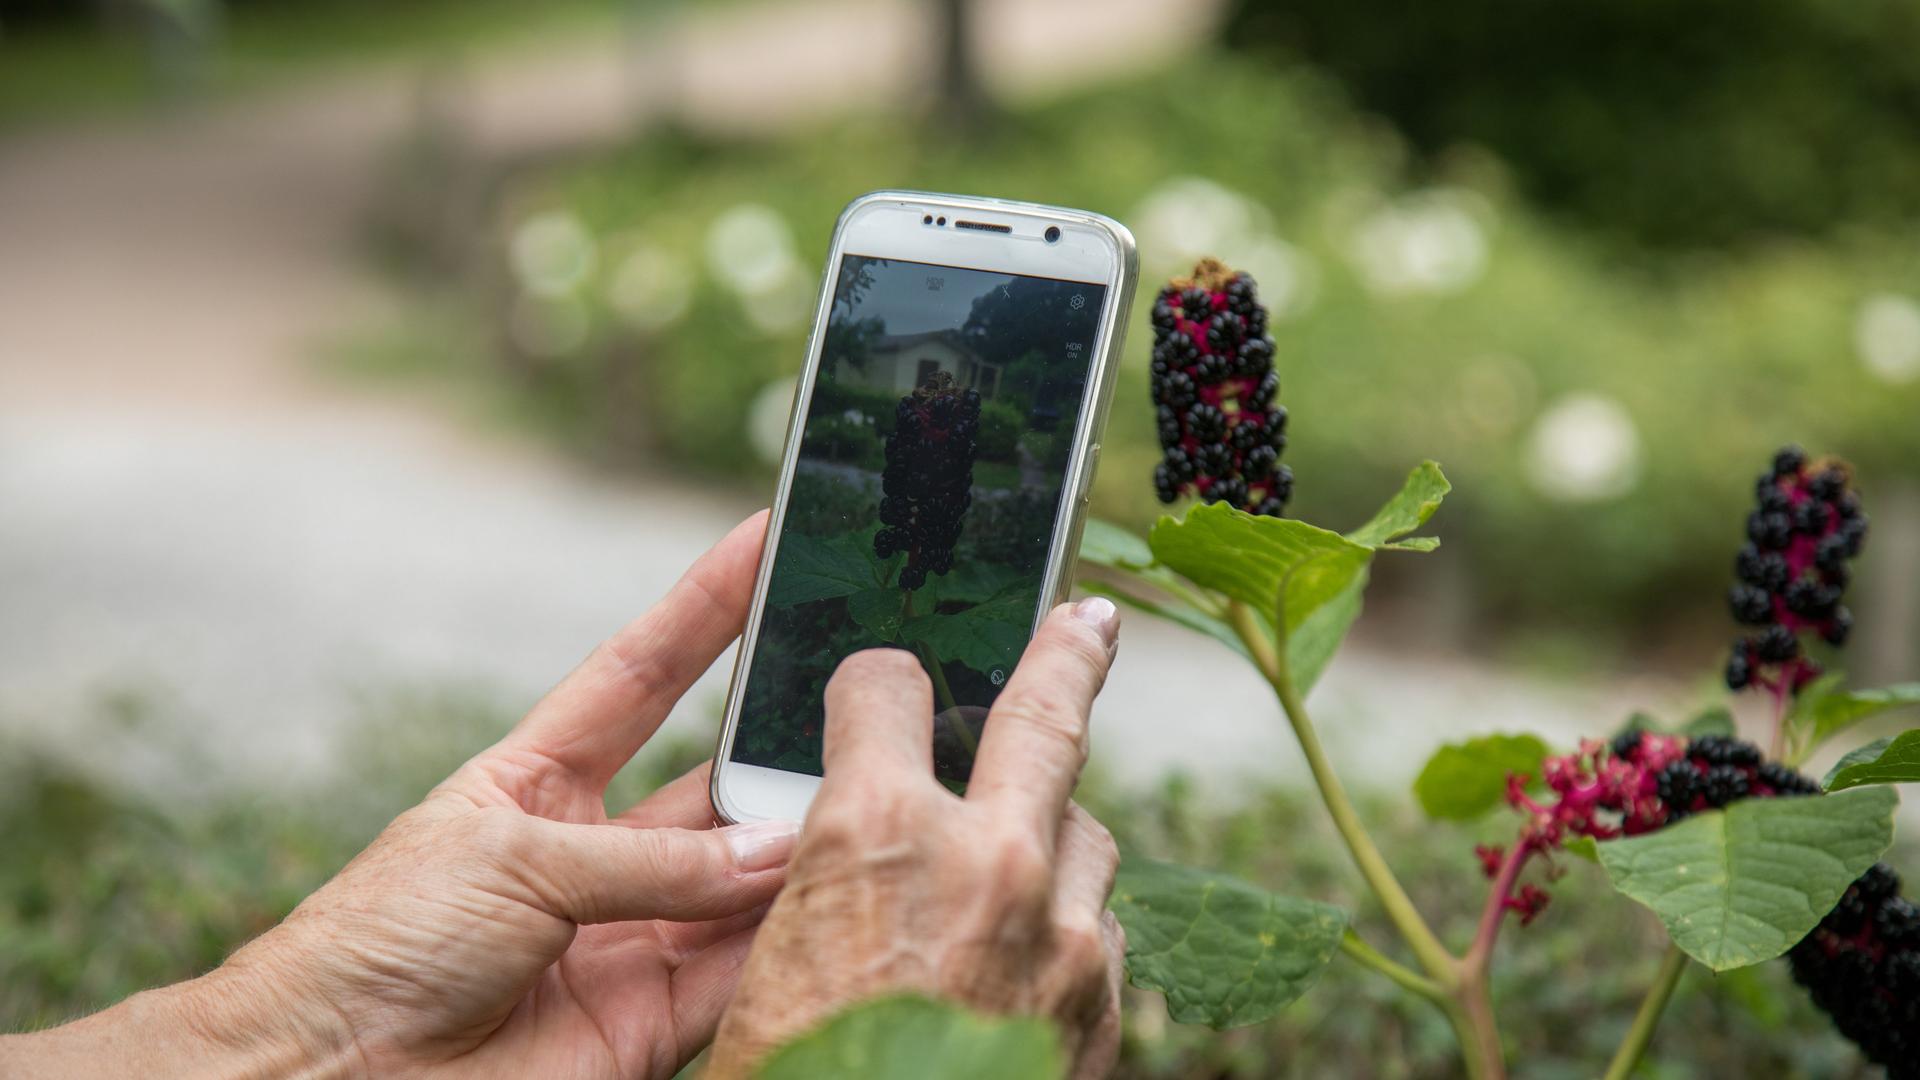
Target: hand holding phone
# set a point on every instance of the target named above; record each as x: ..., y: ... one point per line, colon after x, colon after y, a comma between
x: 996, y: 899
x: 944, y: 435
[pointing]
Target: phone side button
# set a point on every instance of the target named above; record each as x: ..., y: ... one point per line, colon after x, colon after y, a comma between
x: 1087, y: 472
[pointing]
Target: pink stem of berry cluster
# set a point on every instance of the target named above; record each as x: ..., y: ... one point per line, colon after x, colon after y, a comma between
x: 1499, y: 902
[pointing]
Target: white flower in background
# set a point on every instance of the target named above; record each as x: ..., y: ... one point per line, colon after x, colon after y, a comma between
x: 1188, y: 217
x: 1286, y: 277
x: 1886, y: 334
x: 750, y: 249
x: 1431, y: 242
x: 649, y: 289
x: 767, y: 419
x: 548, y: 327
x: 551, y: 253
x: 1584, y: 448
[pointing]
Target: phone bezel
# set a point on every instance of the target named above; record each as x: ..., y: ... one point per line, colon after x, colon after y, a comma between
x: 889, y: 224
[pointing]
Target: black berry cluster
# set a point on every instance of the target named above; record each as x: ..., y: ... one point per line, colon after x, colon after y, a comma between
x: 1800, y: 537
x: 1862, y: 966
x: 1718, y: 770
x: 928, y: 481
x: 1213, y: 384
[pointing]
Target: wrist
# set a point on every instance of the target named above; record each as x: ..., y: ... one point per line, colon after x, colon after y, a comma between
x: 239, y: 1021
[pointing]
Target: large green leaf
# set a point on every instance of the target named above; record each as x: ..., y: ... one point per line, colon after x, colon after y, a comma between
x: 1462, y: 781
x: 1884, y: 761
x: 808, y: 568
x: 1714, y: 720
x: 1743, y: 885
x: 928, y: 1040
x: 1225, y: 953
x: 986, y: 636
x: 1249, y: 558
x: 1409, y: 509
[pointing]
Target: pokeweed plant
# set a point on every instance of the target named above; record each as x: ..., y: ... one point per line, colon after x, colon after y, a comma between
x: 1742, y: 857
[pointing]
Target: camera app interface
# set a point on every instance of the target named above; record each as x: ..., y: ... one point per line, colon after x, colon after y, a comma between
x: 930, y: 473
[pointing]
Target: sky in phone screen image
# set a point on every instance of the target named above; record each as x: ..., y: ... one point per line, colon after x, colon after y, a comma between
x: 930, y: 472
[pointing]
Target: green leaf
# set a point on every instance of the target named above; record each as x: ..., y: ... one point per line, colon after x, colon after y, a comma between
x: 1409, y: 509
x: 1716, y: 720
x: 1248, y: 557
x: 913, y: 1036
x: 1311, y: 645
x: 1829, y: 714
x: 1581, y: 847
x: 1743, y: 885
x: 1465, y: 780
x: 1225, y: 953
x: 988, y: 635
x: 1893, y: 760
x: 809, y: 568
x: 1105, y: 544
x: 878, y: 611
x: 1173, y: 611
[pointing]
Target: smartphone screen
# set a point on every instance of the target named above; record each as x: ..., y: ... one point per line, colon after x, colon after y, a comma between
x: 929, y: 477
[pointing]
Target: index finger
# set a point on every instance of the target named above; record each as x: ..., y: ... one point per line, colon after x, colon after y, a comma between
x: 1036, y: 736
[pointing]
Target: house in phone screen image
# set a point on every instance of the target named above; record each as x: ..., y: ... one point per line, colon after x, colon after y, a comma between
x: 896, y: 363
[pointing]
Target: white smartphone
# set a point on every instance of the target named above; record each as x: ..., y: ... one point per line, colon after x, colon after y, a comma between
x: 944, y: 434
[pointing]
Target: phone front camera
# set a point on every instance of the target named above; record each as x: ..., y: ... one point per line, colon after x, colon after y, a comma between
x: 1052, y: 234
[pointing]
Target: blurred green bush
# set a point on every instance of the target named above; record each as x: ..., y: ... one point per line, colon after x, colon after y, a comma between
x: 1601, y: 418
x: 1710, y: 122
x: 103, y: 892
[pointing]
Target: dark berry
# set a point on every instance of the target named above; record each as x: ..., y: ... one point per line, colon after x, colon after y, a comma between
x: 1259, y: 462
x: 1827, y: 484
x: 1232, y: 491
x: 1164, y: 316
x: 1198, y: 302
x: 1838, y: 628
x: 1626, y: 744
x: 1224, y: 332
x: 1788, y: 461
x: 1739, y: 668
x: 1169, y: 422
x: 1206, y: 423
x: 1165, y: 488
x: 1769, y: 530
x: 1678, y: 783
x: 1776, y: 644
x: 1723, y: 784
x: 1751, y: 604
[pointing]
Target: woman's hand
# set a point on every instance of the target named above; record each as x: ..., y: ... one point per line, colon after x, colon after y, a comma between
x: 997, y: 900
x: 505, y: 926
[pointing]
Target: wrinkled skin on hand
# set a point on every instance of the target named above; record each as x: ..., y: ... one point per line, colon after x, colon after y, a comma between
x: 997, y: 900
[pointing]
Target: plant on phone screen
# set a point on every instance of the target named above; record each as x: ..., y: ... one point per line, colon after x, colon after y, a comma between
x: 927, y: 485
x: 1741, y: 857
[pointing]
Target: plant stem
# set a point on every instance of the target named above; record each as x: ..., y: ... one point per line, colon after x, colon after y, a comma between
x: 1480, y: 954
x: 1356, y: 947
x: 1641, y: 1033
x: 942, y: 693
x: 1433, y: 956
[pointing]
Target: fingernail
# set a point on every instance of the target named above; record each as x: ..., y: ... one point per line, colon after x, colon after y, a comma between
x: 762, y: 845
x: 1099, y: 613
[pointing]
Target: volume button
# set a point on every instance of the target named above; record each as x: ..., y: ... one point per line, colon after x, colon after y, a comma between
x: 1087, y: 472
